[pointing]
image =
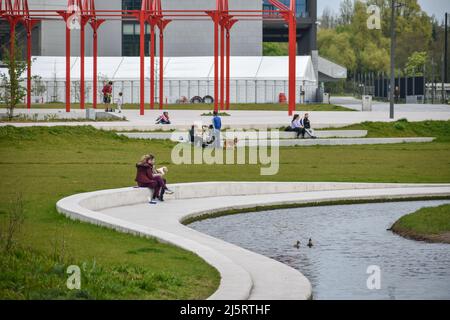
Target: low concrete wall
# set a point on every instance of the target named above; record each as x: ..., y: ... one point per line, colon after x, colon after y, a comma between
x: 105, y: 199
x: 244, y: 274
x: 184, y: 136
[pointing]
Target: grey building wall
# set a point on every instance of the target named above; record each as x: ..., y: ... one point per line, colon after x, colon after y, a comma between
x: 196, y: 38
x: 53, y: 33
x: 182, y: 38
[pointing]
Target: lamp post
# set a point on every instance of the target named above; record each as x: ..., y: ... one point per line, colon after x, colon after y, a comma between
x: 446, y: 49
x: 394, y: 5
x: 445, y: 58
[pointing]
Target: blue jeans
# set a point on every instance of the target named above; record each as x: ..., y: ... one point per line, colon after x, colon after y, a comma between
x: 217, y: 141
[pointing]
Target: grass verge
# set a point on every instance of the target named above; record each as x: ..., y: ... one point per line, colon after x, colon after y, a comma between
x: 426, y: 224
x: 47, y: 164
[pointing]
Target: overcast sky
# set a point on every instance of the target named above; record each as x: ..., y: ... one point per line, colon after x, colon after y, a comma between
x: 436, y: 7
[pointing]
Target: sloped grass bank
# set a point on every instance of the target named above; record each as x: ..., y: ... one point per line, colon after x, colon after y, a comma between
x: 426, y: 224
x: 43, y: 165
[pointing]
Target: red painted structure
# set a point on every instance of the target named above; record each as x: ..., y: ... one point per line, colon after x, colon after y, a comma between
x: 83, y: 12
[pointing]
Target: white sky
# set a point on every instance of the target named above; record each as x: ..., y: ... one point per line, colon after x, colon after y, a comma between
x: 436, y: 7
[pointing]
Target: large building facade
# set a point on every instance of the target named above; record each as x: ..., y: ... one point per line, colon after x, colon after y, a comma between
x: 121, y: 38
x: 182, y: 38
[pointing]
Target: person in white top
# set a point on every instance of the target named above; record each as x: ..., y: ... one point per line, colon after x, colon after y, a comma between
x: 119, y: 102
x: 297, y: 126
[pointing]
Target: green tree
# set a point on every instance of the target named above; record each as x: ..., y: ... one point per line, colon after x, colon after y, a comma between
x: 12, y: 91
x: 370, y: 46
x: 414, y: 32
x: 415, y: 64
x: 336, y: 47
x: 275, y: 49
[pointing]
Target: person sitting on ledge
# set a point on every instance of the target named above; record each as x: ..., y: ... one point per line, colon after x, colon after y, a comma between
x: 163, y: 119
x: 306, y: 124
x: 159, y: 174
x: 208, y: 136
x: 296, y: 126
x: 146, y: 179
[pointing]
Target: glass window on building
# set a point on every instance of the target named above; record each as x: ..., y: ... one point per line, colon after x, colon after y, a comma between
x: 131, y: 39
x: 301, y: 6
x: 131, y: 4
x: 131, y: 32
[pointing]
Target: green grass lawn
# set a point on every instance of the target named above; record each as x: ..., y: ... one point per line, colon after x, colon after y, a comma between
x: 403, y: 128
x: 47, y: 164
x: 432, y: 224
x: 234, y: 106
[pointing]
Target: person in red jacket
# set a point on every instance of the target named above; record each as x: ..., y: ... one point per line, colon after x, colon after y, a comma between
x: 107, y: 95
x: 146, y: 179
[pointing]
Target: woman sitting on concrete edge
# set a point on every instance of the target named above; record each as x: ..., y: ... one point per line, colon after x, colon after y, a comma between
x: 146, y: 179
x: 296, y: 126
x: 159, y: 174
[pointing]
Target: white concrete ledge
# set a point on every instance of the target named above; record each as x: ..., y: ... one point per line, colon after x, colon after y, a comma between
x: 350, y: 141
x: 287, y: 139
x: 244, y: 274
x: 184, y: 136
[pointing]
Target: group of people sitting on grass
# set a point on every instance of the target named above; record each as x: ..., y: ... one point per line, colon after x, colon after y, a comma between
x: 149, y: 177
x: 301, y: 126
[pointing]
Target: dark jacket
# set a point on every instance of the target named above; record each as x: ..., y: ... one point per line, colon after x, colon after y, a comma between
x: 306, y: 123
x: 144, y: 174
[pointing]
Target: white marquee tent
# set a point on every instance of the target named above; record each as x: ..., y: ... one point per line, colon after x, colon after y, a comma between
x: 253, y: 79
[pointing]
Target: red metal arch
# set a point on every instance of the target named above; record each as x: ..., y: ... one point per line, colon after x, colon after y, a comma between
x: 152, y: 13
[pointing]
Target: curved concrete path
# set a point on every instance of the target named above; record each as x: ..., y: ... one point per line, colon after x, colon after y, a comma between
x: 244, y: 274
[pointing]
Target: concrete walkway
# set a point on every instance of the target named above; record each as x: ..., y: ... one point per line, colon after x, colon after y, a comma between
x: 244, y: 274
x: 183, y: 119
x: 377, y: 106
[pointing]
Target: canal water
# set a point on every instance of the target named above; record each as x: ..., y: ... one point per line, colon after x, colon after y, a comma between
x: 351, y: 244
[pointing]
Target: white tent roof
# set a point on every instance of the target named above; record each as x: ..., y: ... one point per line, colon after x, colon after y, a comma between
x: 175, y: 68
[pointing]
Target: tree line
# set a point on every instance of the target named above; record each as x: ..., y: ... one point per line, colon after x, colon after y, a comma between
x: 345, y: 38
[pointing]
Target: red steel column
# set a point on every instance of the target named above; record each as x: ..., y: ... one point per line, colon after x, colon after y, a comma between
x: 292, y: 57
x: 95, y: 24
x: 82, y: 47
x: 216, y: 61
x: 29, y: 24
x: 228, y: 71
x: 12, y: 42
x: 222, y: 67
x: 29, y: 68
x: 94, y: 76
x: 161, y: 67
x: 142, y: 61
x: 162, y: 25
x: 13, y: 20
x: 67, y: 69
x: 66, y: 15
x: 152, y: 66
